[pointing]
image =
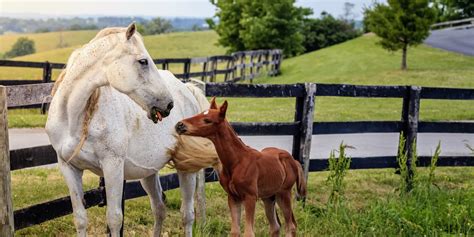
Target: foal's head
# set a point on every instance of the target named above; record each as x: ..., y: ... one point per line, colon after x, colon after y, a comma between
x: 204, y: 124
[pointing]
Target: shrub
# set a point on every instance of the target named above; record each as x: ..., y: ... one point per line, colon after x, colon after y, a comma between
x: 22, y: 46
x: 327, y: 31
x: 338, y: 168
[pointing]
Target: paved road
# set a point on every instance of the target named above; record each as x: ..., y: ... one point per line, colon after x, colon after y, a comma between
x: 456, y: 40
x: 367, y: 144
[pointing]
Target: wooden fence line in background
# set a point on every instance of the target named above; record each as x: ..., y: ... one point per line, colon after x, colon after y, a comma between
x: 304, y: 95
x: 235, y: 66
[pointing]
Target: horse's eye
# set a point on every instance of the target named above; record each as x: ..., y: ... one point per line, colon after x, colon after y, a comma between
x: 143, y: 62
x: 207, y: 121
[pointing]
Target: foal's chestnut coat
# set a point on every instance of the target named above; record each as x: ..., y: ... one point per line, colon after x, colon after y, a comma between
x: 248, y: 174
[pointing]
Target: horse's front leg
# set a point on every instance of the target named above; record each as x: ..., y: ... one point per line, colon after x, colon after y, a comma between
x: 152, y: 186
x: 187, y: 184
x: 73, y: 177
x: 112, y: 166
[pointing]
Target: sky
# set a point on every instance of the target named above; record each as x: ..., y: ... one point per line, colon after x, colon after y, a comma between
x: 162, y: 8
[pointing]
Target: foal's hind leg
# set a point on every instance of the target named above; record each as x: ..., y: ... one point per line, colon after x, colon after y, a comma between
x: 284, y: 202
x: 73, y: 177
x: 152, y: 186
x: 272, y: 217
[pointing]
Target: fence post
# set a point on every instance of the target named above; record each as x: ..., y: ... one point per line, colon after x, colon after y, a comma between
x: 251, y: 66
x: 410, y: 117
x: 187, y: 69
x: 47, y: 72
x: 200, y: 195
x: 214, y: 69
x: 304, y: 114
x: 204, y: 70
x: 6, y: 206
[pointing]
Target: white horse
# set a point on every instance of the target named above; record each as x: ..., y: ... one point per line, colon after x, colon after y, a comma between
x: 98, y: 121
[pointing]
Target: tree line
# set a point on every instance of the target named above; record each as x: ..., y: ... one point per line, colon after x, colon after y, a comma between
x: 248, y: 24
x: 90, y: 23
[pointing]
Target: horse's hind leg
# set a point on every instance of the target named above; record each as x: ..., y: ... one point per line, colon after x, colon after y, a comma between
x: 284, y: 202
x: 152, y: 186
x: 73, y: 177
x: 187, y: 184
x: 272, y: 217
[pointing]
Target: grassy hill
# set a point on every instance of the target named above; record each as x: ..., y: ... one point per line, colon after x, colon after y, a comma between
x: 48, y: 41
x: 361, y: 61
x: 172, y: 45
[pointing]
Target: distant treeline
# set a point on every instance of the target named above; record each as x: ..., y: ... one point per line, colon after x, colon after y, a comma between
x: 8, y: 24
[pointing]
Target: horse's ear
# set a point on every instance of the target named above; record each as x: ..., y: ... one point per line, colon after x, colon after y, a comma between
x: 131, y: 30
x: 223, y: 110
x: 213, y: 103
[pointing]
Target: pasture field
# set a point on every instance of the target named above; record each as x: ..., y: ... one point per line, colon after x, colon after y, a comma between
x: 359, y: 61
x: 172, y: 45
x: 372, y: 206
x: 48, y: 41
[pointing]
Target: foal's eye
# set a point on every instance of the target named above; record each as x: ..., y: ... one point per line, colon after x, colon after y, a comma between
x: 207, y: 121
x: 143, y: 62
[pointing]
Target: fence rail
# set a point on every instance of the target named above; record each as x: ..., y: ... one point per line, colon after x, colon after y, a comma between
x: 456, y: 23
x: 301, y: 129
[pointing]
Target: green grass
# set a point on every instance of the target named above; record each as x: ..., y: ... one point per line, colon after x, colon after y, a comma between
x: 373, y: 206
x: 48, y: 41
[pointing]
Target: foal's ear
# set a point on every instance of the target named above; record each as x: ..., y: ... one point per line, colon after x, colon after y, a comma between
x: 223, y: 110
x: 213, y: 103
x: 130, y: 30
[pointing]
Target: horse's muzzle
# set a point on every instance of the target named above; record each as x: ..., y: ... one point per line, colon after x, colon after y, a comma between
x: 180, y: 128
x: 157, y: 114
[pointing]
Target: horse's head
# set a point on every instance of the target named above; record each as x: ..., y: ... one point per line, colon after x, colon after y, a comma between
x: 204, y: 124
x: 130, y: 69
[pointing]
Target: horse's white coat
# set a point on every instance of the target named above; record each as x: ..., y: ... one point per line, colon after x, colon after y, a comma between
x: 122, y: 142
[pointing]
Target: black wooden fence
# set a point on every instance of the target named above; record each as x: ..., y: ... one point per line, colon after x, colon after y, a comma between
x: 243, y: 65
x: 301, y: 129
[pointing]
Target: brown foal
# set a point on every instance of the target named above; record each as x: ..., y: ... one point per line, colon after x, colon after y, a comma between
x: 248, y: 174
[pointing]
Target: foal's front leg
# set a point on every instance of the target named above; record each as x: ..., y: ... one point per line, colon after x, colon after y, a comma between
x: 249, y: 203
x: 235, y: 211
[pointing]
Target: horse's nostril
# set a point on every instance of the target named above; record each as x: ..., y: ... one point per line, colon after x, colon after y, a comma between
x: 170, y: 105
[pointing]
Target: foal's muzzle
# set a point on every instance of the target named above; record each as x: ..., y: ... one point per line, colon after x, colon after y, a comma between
x: 180, y: 128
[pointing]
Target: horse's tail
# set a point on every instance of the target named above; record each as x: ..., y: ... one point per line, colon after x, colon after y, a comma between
x: 300, y: 182
x: 191, y: 154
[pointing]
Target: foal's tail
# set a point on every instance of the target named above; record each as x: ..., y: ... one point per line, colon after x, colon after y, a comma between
x: 300, y: 182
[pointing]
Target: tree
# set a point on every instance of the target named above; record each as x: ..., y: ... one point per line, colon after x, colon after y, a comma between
x: 348, y: 14
x: 158, y: 26
x: 448, y: 10
x: 22, y: 46
x: 400, y: 24
x: 249, y: 24
x: 326, y: 31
